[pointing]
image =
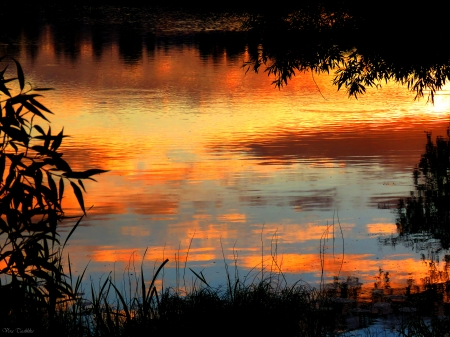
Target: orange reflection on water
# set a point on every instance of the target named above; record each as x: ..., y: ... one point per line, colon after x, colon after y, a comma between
x: 360, y: 265
x: 233, y: 217
x: 293, y: 233
x: 381, y: 228
x: 197, y: 229
x: 107, y: 254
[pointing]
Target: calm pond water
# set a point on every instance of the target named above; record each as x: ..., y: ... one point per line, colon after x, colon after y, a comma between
x: 209, y: 163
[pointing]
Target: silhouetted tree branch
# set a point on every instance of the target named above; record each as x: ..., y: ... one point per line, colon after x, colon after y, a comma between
x: 364, y: 48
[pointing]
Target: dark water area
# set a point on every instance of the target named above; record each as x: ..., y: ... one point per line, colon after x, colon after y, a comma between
x: 133, y: 29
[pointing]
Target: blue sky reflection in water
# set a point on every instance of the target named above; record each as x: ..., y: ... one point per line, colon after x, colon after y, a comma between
x: 200, y: 151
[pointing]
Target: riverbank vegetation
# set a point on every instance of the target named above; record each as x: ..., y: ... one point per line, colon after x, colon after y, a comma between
x: 33, y: 178
x: 263, y: 306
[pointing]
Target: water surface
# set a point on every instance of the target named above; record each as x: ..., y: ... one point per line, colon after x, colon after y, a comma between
x: 210, y: 164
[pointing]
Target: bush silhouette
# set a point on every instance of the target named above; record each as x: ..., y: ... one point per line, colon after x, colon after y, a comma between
x: 33, y: 177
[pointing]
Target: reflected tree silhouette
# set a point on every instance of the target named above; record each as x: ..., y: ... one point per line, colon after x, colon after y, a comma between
x: 133, y: 28
x: 423, y: 218
x: 364, y: 48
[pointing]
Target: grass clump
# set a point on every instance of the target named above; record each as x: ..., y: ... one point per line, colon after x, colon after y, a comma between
x: 263, y: 307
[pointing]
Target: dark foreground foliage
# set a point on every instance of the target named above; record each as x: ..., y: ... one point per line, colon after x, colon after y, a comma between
x: 266, y: 307
x: 33, y: 178
x: 256, y: 309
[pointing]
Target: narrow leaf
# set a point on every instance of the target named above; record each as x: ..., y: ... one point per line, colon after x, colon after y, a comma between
x: 73, y: 230
x: 85, y: 174
x: 43, y: 89
x: 3, y: 88
x: 94, y: 171
x: 61, y: 164
x: 200, y: 277
x: 57, y: 142
x: 81, y: 184
x: 79, y: 195
x: 9, y: 110
x: 14, y: 146
x: 61, y: 189
x: 39, y: 105
x: 39, y: 129
x: 125, y: 308
x: 34, y: 110
x: 43, y: 151
x: 47, y: 140
x: 145, y: 306
x: 155, y: 276
x: 20, y: 75
x: 21, y: 98
x: 52, y: 185
x: 17, y: 134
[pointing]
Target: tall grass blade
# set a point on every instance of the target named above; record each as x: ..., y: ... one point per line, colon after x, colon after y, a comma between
x: 200, y: 277
x: 152, y: 284
x: 73, y: 230
x: 122, y: 300
x: 70, y: 271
